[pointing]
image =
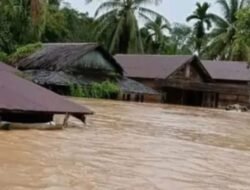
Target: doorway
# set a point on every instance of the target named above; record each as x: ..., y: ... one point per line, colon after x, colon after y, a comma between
x: 183, y: 97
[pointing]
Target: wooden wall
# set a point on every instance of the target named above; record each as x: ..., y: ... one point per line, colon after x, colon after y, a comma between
x: 225, y: 100
x: 215, y: 94
x: 153, y: 83
x: 187, y: 73
x: 133, y: 97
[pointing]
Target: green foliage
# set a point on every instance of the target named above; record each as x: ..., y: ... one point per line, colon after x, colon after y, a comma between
x: 118, y: 24
x: 242, y: 41
x: 224, y: 43
x: 76, y: 91
x: 116, y: 27
x: 24, y: 51
x: 31, y: 21
x: 203, y: 22
x: 105, y: 89
x: 3, y: 57
x: 243, y: 25
x: 153, y: 37
x: 181, y: 40
x: 55, y: 27
x: 22, y: 22
x: 67, y: 24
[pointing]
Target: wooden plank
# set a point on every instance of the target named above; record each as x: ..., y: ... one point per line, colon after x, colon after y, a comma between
x: 206, y: 87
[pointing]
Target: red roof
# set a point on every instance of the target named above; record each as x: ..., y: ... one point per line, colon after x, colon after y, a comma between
x: 228, y: 70
x: 20, y: 95
x: 151, y: 66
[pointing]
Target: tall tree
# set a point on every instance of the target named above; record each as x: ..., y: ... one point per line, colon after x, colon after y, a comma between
x: 182, y: 40
x: 120, y: 21
x: 14, y: 24
x: 223, y: 44
x: 56, y: 25
x: 242, y: 37
x: 67, y: 25
x: 38, y: 9
x: 54, y: 2
x: 154, y: 36
x: 203, y: 22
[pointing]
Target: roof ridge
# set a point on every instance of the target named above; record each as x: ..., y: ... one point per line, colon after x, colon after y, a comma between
x: 154, y: 55
x: 224, y: 61
x: 71, y: 43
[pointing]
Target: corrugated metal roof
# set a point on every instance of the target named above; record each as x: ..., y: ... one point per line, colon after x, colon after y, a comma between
x: 18, y: 94
x: 131, y: 86
x: 151, y: 66
x: 228, y: 70
x: 5, y: 67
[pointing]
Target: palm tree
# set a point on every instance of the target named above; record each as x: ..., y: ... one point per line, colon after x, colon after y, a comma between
x: 119, y: 20
x: 203, y: 22
x: 182, y: 40
x: 223, y: 44
x: 154, y: 35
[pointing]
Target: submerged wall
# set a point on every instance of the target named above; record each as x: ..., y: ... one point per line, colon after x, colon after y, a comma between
x: 26, y: 117
x: 134, y: 97
x: 225, y: 100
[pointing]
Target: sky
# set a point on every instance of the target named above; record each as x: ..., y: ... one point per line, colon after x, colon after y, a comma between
x: 173, y: 10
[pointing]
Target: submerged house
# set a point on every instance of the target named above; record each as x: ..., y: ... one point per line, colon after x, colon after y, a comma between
x: 232, y: 80
x: 57, y: 66
x: 186, y: 80
x: 22, y: 101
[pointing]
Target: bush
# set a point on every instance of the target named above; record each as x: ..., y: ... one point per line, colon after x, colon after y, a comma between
x: 105, y: 89
x: 76, y: 91
x: 23, y: 52
x: 3, y: 57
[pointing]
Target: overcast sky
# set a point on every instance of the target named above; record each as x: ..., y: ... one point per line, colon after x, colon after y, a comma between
x: 174, y: 10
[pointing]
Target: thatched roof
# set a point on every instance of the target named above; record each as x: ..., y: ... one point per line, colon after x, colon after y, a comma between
x: 63, y: 56
x: 60, y: 78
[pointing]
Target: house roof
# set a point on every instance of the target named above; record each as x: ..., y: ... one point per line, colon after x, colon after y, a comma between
x: 61, y: 56
x: 43, y: 77
x: 131, y: 86
x: 8, y: 68
x: 20, y: 95
x: 151, y: 66
x: 228, y: 70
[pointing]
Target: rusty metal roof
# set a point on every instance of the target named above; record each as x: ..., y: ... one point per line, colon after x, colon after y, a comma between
x: 20, y: 95
x: 151, y: 66
x: 228, y: 70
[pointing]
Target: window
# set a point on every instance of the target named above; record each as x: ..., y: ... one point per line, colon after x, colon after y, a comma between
x: 128, y: 97
x: 142, y: 98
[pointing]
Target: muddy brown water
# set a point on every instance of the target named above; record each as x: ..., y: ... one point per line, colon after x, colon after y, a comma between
x: 128, y: 146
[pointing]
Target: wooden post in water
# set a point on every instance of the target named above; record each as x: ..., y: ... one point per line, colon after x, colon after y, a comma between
x: 65, y: 121
x: 248, y: 93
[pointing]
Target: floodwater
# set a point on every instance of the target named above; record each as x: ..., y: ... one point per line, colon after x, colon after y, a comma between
x: 129, y: 146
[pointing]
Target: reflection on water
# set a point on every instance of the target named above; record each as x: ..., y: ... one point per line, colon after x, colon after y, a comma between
x: 130, y: 146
